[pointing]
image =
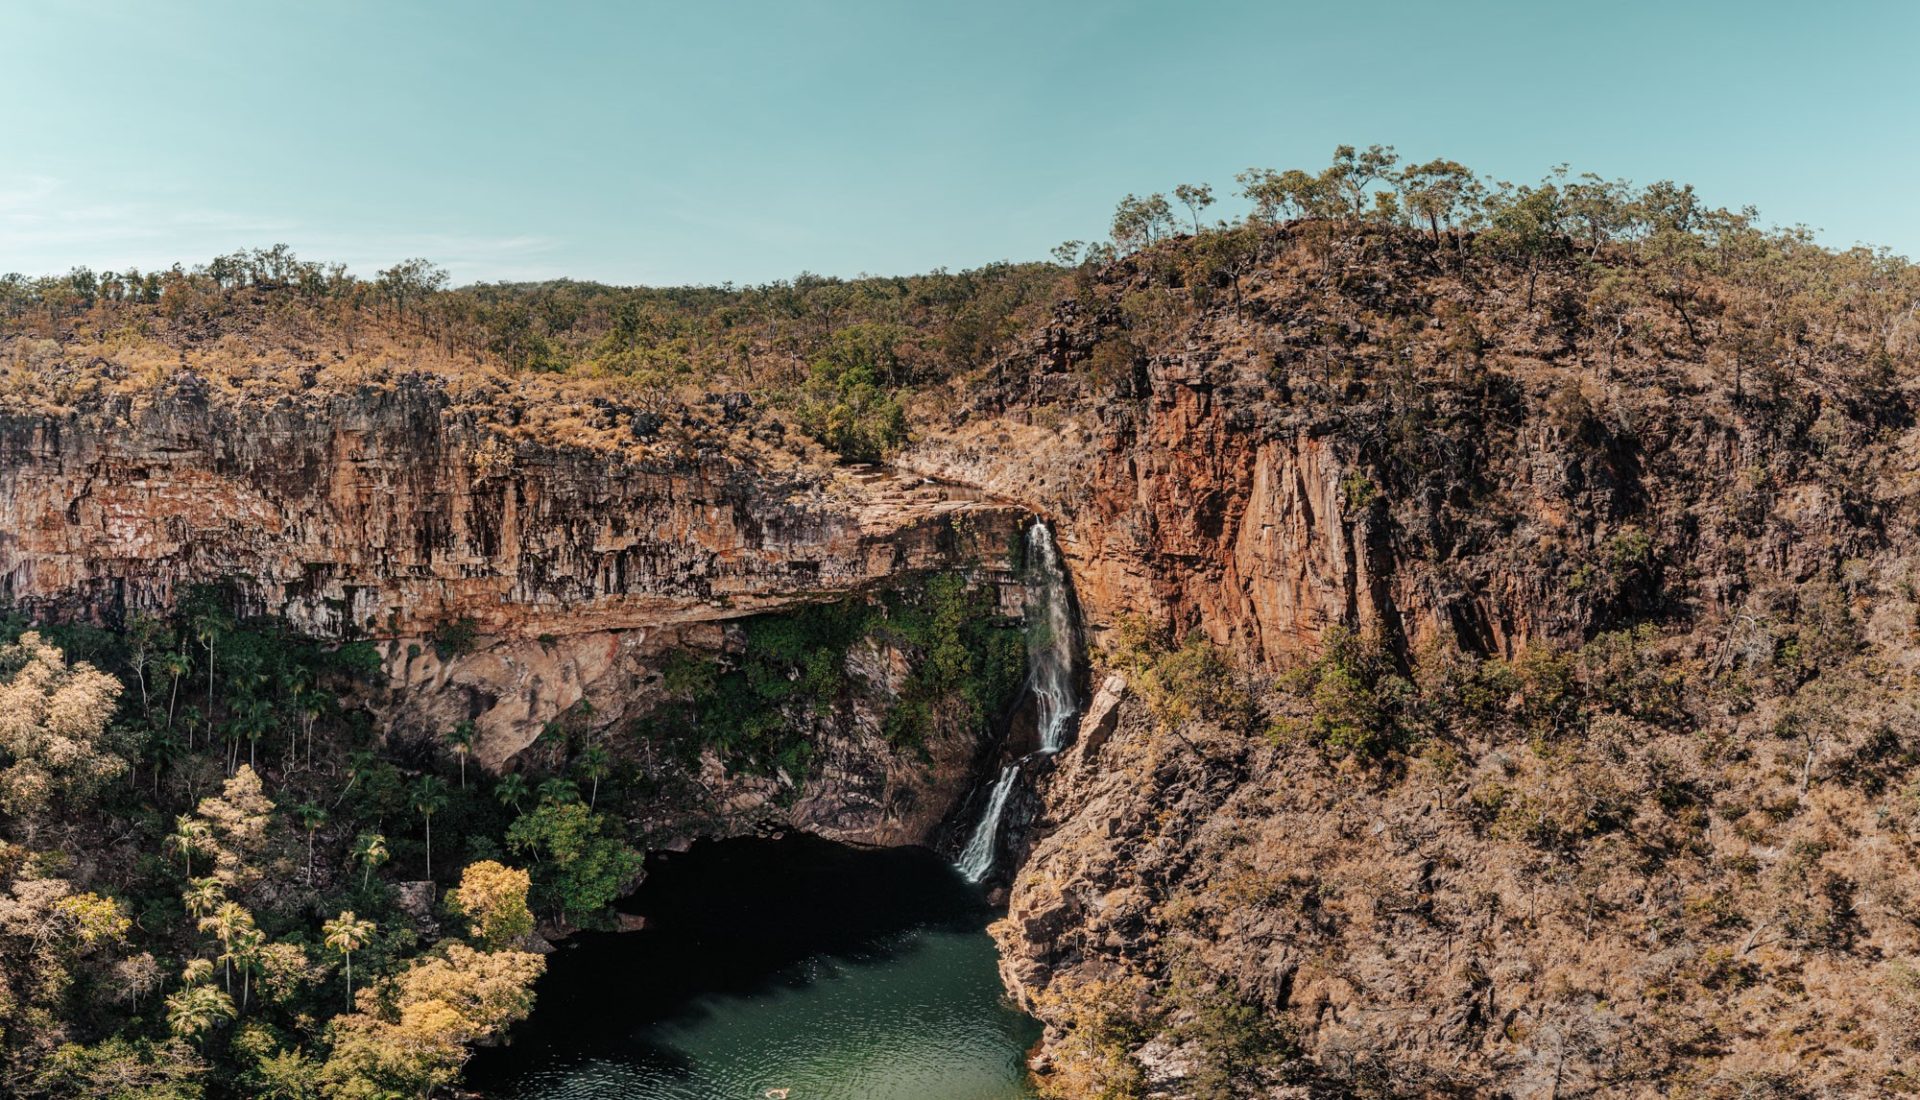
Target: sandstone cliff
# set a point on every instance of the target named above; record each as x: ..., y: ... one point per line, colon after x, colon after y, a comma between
x: 505, y: 581
x: 1644, y: 615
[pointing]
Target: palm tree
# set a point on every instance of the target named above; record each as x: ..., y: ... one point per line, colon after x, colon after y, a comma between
x: 594, y: 766
x: 255, y: 717
x: 229, y: 921
x: 560, y: 791
x: 346, y: 934
x: 203, y: 896
x: 246, y: 952
x: 311, y: 818
x: 190, y: 835
x: 312, y: 703
x: 370, y: 850
x: 176, y: 665
x: 207, y: 627
x: 462, y: 737
x: 359, y: 762
x: 197, y: 1010
x: 511, y: 790
x: 429, y: 797
x: 163, y: 748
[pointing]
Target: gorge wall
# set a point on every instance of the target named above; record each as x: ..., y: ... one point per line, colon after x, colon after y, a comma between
x: 504, y: 581
x: 1636, y: 631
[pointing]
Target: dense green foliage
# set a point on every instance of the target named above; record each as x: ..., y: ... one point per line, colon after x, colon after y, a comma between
x: 752, y: 705
x: 200, y: 861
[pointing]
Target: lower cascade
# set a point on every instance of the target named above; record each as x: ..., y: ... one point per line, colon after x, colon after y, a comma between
x: 977, y: 859
x: 1051, y: 643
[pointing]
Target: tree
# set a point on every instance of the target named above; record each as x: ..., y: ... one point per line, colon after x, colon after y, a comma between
x: 193, y: 1012
x: 511, y: 790
x: 284, y: 970
x: 176, y: 666
x: 493, y: 899
x: 209, y: 625
x: 580, y: 869
x: 1525, y: 226
x: 344, y: 935
x: 311, y: 703
x: 369, y: 851
x: 1138, y: 222
x: 119, y: 1069
x: 461, y: 737
x: 1354, y: 172
x: 1277, y: 196
x: 312, y: 819
x: 593, y: 767
x: 845, y: 404
x: 1440, y: 193
x: 190, y: 835
x: 410, y: 1036
x: 286, y: 1075
x: 136, y: 976
x: 164, y: 749
x: 429, y: 798
x: 1195, y: 197
x: 203, y: 896
x: 54, y: 739
x: 231, y: 923
x: 238, y: 819
x: 409, y: 281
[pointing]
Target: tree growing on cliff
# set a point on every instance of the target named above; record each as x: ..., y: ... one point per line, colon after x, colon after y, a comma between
x: 461, y: 737
x: 369, y: 851
x: 238, y: 820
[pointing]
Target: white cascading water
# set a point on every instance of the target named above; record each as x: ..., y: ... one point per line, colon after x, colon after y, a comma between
x: 1050, y: 640
x: 977, y: 859
x: 1050, y: 648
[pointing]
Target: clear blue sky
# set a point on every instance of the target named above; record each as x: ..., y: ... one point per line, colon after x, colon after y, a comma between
x: 706, y: 140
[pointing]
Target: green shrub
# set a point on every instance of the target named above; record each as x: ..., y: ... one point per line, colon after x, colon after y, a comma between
x: 1358, y: 701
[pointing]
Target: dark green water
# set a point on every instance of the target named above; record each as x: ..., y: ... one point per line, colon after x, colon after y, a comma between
x: 832, y: 972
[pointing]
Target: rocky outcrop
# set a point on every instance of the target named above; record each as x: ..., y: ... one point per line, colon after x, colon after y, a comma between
x: 1502, y: 910
x: 388, y: 511
x: 504, y: 581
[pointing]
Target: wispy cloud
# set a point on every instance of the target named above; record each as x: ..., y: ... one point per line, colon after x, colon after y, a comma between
x: 48, y: 226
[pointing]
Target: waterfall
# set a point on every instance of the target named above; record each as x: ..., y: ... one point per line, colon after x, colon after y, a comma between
x: 1050, y: 639
x: 1050, y: 650
x: 977, y: 859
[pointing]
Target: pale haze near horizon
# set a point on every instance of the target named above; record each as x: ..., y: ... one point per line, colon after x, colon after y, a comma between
x: 668, y: 144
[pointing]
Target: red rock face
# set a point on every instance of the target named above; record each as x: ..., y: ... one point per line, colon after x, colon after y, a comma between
x: 1179, y: 517
x: 386, y: 513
